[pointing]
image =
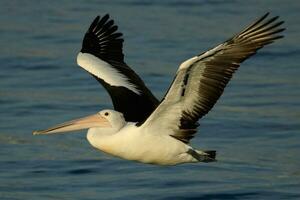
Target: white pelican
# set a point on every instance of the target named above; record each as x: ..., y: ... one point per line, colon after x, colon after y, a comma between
x: 163, y: 137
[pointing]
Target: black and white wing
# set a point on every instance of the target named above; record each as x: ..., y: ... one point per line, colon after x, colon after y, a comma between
x: 200, y: 81
x: 102, y: 56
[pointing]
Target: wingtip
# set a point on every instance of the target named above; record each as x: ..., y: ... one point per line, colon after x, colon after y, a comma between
x: 281, y: 30
x: 265, y: 16
x: 271, y: 19
x: 94, y: 24
x: 267, y: 13
x: 106, y: 15
x: 103, y: 39
x: 98, y: 20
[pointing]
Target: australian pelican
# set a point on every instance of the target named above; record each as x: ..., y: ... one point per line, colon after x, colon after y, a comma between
x: 162, y: 136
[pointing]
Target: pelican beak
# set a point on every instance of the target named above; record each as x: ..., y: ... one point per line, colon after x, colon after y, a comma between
x: 91, y: 121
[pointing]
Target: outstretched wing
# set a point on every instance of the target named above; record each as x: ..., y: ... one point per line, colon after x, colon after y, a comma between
x: 200, y: 81
x: 102, y: 56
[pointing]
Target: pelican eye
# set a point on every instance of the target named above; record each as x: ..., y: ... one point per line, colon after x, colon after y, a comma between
x: 106, y: 113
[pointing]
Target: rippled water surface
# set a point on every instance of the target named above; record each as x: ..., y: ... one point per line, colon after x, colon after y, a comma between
x: 255, y: 127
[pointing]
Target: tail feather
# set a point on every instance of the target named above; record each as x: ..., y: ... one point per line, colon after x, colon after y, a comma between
x: 211, y: 154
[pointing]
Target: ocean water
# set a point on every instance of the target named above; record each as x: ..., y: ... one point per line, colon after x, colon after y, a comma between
x: 255, y: 127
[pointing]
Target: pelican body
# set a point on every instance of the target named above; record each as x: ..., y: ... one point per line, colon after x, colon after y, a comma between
x: 111, y: 134
x: 143, y: 129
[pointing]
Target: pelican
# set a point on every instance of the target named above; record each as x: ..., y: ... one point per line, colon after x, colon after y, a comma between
x: 163, y: 137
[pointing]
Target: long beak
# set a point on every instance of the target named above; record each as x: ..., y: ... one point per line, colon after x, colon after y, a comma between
x: 77, y: 124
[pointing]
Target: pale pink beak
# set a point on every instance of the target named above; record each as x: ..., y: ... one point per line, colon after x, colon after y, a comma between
x: 77, y: 124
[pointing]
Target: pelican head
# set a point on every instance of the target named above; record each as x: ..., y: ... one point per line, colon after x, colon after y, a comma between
x: 108, y: 120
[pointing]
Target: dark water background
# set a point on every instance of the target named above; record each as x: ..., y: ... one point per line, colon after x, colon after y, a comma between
x: 255, y: 126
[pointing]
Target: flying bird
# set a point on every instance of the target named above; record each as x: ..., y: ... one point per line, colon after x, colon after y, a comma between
x: 163, y: 136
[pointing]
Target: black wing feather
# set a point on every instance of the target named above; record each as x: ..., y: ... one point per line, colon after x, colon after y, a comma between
x: 105, y: 42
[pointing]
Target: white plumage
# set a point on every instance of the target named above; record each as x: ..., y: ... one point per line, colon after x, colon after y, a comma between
x: 139, y: 144
x: 105, y: 71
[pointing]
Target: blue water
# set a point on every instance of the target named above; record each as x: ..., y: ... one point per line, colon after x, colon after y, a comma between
x: 255, y: 127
